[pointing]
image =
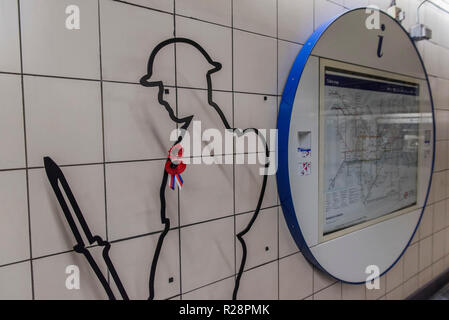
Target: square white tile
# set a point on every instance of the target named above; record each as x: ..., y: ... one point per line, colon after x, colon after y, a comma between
x: 438, y: 268
x: 132, y: 260
x: 432, y: 58
x: 425, y: 253
x: 340, y: 2
x: 136, y: 126
x: 295, y: 278
x: 382, y: 4
x: 441, y: 123
x: 353, y: 292
x: 163, y: 5
x: 441, y: 153
x: 430, y: 15
x: 192, y: 66
x: 446, y: 195
x: 439, y: 92
x: 424, y: 277
x: 439, y: 216
x: 351, y: 4
x: 128, y: 61
x: 195, y: 102
x: 295, y: 20
x: 217, y: 11
x: 287, y: 52
x: 132, y: 193
x: 325, y: 10
x: 411, y: 259
x: 50, y: 231
x: 207, y: 253
x: 287, y: 244
x: 447, y: 243
x: 51, y: 274
x: 248, y: 184
x: 425, y: 226
x: 321, y: 280
x: 250, y: 74
x: 396, y: 294
x: 260, y: 283
x: 12, y: 144
x: 395, y: 276
x: 438, y: 245
x: 14, y: 231
x: 15, y: 282
x: 256, y: 15
x: 331, y: 293
x: 63, y: 120
x: 9, y: 36
x: 261, y: 240
x: 410, y: 286
x: 206, y: 193
x: 50, y: 48
x: 439, y: 183
x: 257, y: 111
x: 221, y: 290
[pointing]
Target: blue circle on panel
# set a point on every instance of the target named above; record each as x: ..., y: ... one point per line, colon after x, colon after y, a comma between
x: 283, y: 127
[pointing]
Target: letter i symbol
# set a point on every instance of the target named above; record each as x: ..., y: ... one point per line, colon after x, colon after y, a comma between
x: 379, y: 46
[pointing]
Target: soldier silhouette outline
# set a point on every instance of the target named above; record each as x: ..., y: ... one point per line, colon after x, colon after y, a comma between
x: 184, y: 123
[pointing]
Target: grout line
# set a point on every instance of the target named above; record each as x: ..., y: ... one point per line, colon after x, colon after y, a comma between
x: 134, y: 83
x: 286, y: 256
x: 102, y: 130
x: 26, y: 148
x: 12, y: 169
x: 212, y: 283
x: 141, y: 236
x: 202, y: 20
x: 142, y: 6
x: 313, y: 15
x: 206, y: 21
x: 291, y: 41
x: 256, y: 33
x: 173, y: 86
x: 277, y: 113
x: 60, y: 77
x: 233, y: 141
x: 48, y: 255
x: 177, y: 115
x: 231, y: 276
x: 14, y: 263
x: 121, y: 162
x: 326, y: 287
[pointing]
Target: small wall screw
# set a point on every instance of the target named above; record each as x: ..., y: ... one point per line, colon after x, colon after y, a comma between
x: 170, y: 280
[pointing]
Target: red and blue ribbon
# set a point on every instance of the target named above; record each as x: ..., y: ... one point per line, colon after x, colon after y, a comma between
x: 175, y: 170
x: 176, y: 179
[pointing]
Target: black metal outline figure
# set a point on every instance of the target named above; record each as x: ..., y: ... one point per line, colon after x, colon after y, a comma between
x: 55, y: 175
x: 145, y: 81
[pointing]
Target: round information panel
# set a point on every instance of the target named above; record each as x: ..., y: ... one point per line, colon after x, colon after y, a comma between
x: 356, y: 144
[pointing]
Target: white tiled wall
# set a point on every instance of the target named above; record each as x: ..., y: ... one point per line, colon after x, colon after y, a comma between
x: 74, y: 95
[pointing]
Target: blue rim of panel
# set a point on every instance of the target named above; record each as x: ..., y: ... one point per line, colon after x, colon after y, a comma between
x: 283, y: 127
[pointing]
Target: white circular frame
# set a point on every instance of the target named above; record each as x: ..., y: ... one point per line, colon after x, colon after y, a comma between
x: 346, y: 39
